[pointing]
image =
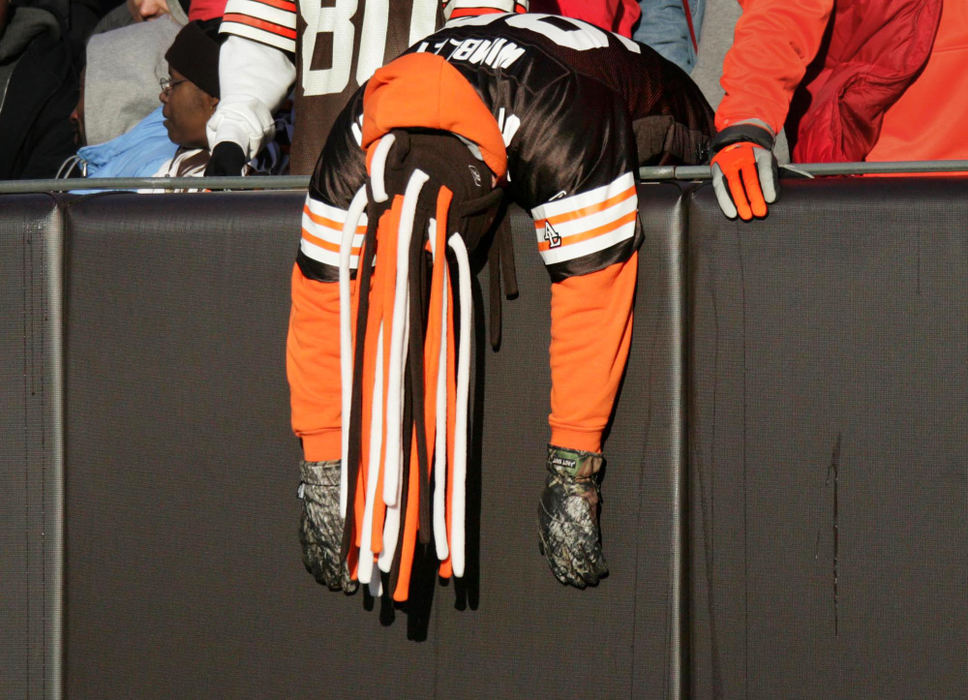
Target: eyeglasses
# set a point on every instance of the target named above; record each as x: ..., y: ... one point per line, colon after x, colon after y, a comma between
x: 167, y: 83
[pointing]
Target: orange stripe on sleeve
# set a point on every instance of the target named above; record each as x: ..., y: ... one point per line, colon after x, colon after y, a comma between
x: 323, y: 243
x: 255, y: 23
x: 598, y: 231
x: 330, y: 223
x: 587, y: 211
x: 287, y: 5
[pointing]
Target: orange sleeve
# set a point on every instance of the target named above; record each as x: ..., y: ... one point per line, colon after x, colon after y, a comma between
x: 312, y: 366
x: 773, y: 43
x: 591, y: 327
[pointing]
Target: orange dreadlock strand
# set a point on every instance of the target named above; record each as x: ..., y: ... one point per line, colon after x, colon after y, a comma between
x: 373, y: 421
x: 409, y: 543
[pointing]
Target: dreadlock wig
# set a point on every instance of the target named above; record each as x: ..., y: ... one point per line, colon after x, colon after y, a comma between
x: 432, y: 160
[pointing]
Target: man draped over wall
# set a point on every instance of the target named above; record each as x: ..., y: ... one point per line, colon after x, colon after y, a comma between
x: 551, y: 113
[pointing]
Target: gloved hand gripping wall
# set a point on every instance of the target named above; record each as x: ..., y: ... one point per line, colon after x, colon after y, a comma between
x: 744, y: 170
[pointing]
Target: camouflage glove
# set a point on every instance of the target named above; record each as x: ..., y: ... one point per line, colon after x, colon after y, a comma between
x: 321, y: 527
x: 568, y: 517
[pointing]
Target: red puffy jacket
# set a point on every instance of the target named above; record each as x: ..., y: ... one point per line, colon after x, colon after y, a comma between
x: 873, y: 52
x: 852, y: 60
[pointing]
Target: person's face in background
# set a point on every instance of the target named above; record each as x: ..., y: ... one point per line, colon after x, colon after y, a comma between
x: 77, y: 116
x: 142, y: 10
x: 187, y: 109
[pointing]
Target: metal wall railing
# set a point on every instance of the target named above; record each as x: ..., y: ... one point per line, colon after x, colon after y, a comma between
x: 297, y: 182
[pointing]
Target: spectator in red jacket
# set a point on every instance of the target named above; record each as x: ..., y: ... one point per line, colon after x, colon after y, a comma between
x: 851, y: 81
x: 619, y: 16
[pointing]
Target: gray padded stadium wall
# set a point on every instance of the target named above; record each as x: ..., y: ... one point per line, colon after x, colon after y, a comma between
x: 785, y: 497
x: 828, y: 443
x: 184, y: 571
x: 31, y: 447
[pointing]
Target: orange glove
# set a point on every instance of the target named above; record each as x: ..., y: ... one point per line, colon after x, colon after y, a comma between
x: 744, y: 170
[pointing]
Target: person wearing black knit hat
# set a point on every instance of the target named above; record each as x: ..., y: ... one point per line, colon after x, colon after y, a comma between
x: 190, y: 95
x: 191, y: 92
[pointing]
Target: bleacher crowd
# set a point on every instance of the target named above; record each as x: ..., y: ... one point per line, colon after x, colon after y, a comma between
x: 100, y: 89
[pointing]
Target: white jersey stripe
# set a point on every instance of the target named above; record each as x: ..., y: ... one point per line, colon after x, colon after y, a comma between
x: 579, y: 226
x: 585, y: 199
x: 281, y: 14
x: 260, y: 35
x: 326, y: 224
x: 276, y: 15
x: 588, y: 222
x: 327, y: 257
x: 587, y: 247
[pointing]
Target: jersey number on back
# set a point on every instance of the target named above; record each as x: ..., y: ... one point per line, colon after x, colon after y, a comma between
x: 335, y: 24
x: 564, y: 31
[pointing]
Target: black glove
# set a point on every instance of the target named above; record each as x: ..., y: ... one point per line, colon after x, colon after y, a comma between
x: 321, y: 527
x: 568, y: 531
x: 227, y: 158
x: 744, y: 170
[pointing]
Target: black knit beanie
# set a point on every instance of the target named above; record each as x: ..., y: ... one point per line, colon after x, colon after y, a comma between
x: 194, y: 54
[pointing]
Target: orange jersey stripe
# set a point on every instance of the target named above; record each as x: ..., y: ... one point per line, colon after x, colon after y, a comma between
x: 323, y: 243
x: 330, y: 223
x: 270, y: 27
x: 586, y: 211
x: 577, y: 238
x: 473, y: 11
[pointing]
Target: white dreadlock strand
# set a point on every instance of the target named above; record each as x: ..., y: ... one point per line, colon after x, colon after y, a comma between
x: 378, y: 167
x: 353, y: 216
x: 440, y: 443
x: 376, y: 587
x: 399, y: 335
x: 391, y: 522
x: 463, y: 390
x: 398, y: 350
